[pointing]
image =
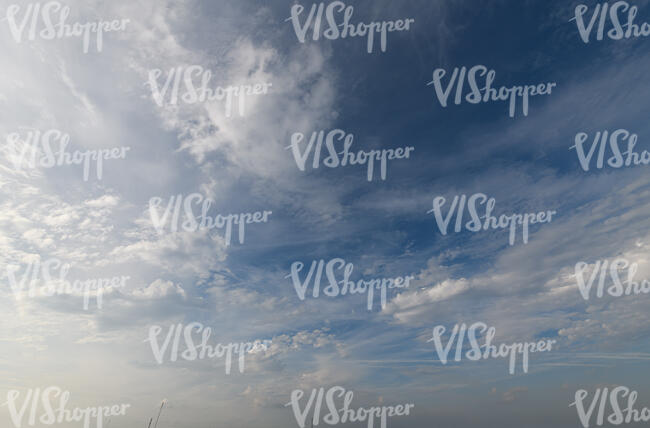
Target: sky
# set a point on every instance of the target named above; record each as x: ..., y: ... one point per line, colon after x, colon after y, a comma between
x: 243, y: 163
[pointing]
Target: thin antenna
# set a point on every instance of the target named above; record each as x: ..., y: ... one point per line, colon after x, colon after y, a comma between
x: 150, y: 420
x: 159, y: 411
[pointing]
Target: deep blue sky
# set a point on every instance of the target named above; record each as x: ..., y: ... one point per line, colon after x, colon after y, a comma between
x: 526, y: 291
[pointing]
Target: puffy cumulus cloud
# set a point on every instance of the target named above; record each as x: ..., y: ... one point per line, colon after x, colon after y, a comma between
x: 159, y: 289
x: 104, y: 201
x: 37, y: 238
x: 284, y: 367
x: 287, y: 353
x: 582, y: 328
x: 405, y: 303
x: 316, y: 338
x: 46, y: 224
x: 183, y: 252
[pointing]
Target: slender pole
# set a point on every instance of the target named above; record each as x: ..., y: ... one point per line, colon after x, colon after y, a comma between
x: 159, y: 411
